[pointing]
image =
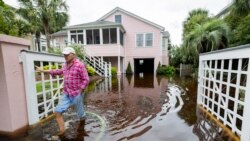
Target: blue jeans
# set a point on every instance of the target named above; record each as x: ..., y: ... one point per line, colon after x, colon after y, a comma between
x: 67, y: 100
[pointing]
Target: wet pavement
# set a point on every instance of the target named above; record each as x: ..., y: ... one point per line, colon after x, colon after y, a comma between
x: 136, y: 108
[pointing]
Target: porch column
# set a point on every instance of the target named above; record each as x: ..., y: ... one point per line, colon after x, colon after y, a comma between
x: 119, y: 66
x: 101, y: 37
x: 84, y: 37
x: 118, y: 35
x: 69, y: 40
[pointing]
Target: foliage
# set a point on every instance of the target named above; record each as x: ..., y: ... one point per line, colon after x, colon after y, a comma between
x: 113, y: 71
x: 47, y: 67
x: 242, y: 31
x: 54, y: 50
x: 158, y: 67
x: 238, y: 20
x: 209, y: 36
x: 44, y: 16
x: 47, y: 86
x: 91, y: 70
x: 197, y: 16
x: 79, y: 50
x: 166, y: 70
x: 129, y: 69
x: 178, y: 55
x: 9, y: 23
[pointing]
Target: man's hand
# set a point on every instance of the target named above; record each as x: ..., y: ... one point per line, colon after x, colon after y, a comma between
x: 39, y: 69
x: 81, y: 91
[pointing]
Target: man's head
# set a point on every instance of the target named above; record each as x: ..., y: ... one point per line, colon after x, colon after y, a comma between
x: 69, y: 54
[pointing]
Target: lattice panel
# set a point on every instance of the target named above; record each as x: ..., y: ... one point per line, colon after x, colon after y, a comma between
x: 48, y: 89
x: 223, y: 88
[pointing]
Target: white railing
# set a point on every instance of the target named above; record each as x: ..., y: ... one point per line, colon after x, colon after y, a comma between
x: 42, y: 91
x: 101, y: 67
x: 224, y: 88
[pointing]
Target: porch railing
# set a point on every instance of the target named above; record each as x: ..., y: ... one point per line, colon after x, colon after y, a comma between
x: 224, y: 88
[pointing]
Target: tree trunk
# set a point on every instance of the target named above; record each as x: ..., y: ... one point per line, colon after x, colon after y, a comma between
x: 37, y: 41
x: 46, y: 31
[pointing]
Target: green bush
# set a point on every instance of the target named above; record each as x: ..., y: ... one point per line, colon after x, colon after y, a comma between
x: 55, y: 50
x: 129, y: 69
x: 53, y: 67
x: 113, y: 71
x: 79, y: 51
x: 166, y: 70
x: 91, y: 70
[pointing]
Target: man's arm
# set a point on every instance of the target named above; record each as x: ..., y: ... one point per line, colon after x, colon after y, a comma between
x: 84, y: 75
x: 52, y: 72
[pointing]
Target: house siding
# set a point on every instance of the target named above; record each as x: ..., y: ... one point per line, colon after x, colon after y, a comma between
x: 134, y: 26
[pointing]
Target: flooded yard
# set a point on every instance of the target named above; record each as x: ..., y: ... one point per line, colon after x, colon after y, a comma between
x: 136, y: 108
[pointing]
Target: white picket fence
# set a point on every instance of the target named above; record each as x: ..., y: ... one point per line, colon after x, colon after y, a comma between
x: 224, y: 88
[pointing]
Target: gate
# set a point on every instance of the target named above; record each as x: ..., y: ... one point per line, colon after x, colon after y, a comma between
x: 224, y: 88
x: 42, y: 91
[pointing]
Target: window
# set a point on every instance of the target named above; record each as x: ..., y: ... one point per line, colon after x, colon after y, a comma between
x: 149, y: 39
x: 93, y: 36
x: 139, y: 40
x: 118, y: 18
x: 76, y: 36
x: 144, y: 39
x: 109, y: 36
x: 121, y: 38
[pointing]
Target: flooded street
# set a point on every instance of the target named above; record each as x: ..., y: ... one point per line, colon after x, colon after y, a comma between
x: 136, y: 108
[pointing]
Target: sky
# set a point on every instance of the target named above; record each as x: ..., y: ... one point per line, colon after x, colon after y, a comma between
x: 167, y: 13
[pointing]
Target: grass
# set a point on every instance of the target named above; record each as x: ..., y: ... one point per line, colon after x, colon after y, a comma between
x: 39, y: 86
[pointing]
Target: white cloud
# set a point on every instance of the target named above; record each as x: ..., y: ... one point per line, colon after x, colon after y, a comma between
x: 167, y: 13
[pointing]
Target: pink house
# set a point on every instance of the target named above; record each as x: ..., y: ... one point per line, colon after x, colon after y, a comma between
x: 121, y: 37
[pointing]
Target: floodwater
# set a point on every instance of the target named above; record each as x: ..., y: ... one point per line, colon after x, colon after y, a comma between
x: 136, y: 108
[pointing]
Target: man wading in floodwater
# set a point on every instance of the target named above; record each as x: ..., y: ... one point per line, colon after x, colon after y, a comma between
x: 75, y: 81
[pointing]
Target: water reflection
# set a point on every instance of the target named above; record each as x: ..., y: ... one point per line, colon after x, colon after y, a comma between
x: 208, y: 129
x: 139, y: 106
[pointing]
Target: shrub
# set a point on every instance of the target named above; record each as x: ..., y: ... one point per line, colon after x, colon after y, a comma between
x: 47, y: 67
x: 79, y: 51
x: 158, y: 68
x: 113, y: 71
x: 166, y: 70
x: 91, y: 70
x: 129, y: 69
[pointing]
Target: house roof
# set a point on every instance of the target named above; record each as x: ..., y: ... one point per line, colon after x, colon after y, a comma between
x: 130, y: 14
x: 94, y: 24
x: 166, y: 34
x: 224, y: 10
x: 60, y: 33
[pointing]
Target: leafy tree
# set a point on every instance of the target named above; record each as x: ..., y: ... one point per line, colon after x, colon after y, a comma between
x: 242, y: 32
x: 241, y: 7
x: 9, y: 23
x: 45, y: 16
x: 236, y: 19
x: 197, y: 16
x: 209, y: 36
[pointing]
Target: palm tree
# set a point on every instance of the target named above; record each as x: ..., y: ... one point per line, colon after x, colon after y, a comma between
x: 197, y: 16
x: 45, y: 16
x: 241, y: 7
x: 209, y: 36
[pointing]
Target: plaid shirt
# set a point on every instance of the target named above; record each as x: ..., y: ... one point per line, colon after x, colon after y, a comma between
x: 75, y: 77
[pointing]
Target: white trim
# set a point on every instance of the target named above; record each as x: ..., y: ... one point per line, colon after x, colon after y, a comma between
x: 132, y: 15
x: 144, y: 40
